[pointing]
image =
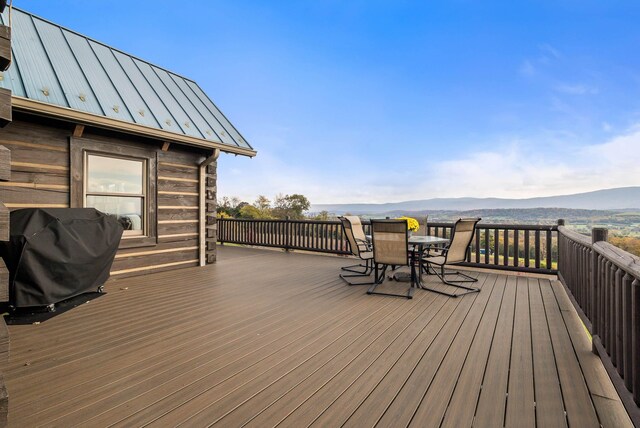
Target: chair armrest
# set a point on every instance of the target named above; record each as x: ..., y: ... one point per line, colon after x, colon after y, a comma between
x: 363, y: 245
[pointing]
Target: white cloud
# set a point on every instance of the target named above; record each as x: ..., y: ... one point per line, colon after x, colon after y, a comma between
x: 520, y: 170
x: 527, y: 69
x: 548, y: 52
x: 576, y: 89
x: 516, y: 169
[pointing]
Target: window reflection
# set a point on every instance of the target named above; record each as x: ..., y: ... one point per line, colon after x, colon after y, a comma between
x: 114, y: 175
x: 116, y: 186
x: 127, y: 210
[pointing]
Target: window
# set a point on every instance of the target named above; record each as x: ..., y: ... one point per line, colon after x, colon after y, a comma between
x: 118, y: 179
x: 117, y: 186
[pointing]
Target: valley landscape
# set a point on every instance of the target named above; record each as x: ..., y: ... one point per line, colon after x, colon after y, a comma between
x: 615, y: 209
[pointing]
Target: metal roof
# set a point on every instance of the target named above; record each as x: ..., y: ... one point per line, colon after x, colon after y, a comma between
x: 58, y: 67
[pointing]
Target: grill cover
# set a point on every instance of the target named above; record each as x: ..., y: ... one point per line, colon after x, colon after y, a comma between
x: 55, y: 254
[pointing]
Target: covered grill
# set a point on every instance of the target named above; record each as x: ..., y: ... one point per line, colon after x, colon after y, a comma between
x: 56, y: 254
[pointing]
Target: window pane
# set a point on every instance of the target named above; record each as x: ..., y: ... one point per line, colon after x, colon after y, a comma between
x: 128, y: 210
x: 114, y: 175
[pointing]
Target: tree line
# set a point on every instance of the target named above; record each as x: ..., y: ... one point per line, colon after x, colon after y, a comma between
x: 291, y: 206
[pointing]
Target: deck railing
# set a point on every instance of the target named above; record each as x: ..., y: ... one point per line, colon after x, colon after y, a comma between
x: 604, y: 283
x: 522, y: 247
x: 309, y: 235
x: 519, y: 247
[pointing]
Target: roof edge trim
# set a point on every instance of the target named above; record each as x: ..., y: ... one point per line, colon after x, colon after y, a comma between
x: 90, y: 119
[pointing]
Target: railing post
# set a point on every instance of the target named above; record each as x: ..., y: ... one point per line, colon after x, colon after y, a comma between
x: 597, y: 234
x: 287, y: 238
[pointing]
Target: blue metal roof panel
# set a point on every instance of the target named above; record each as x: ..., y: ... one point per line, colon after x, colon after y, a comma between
x: 40, y: 82
x: 104, y: 91
x: 148, y: 94
x: 211, y: 120
x: 231, y: 130
x: 77, y: 90
x: 56, y: 66
x: 188, y: 124
x: 186, y: 105
x: 10, y: 79
x: 128, y: 92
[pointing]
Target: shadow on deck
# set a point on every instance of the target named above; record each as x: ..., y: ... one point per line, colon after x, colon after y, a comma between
x: 265, y: 338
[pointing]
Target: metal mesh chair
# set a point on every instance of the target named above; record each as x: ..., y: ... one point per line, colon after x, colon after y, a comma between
x: 455, y: 252
x: 360, y: 247
x: 390, y: 248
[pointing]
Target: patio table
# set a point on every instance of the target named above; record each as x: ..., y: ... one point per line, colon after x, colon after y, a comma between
x: 419, y: 244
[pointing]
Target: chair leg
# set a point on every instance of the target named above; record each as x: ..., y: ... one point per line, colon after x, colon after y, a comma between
x: 359, y: 274
x: 458, y: 283
x: 353, y: 268
x: 379, y: 279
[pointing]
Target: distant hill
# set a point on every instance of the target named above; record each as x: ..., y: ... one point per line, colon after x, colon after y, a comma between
x: 621, y: 198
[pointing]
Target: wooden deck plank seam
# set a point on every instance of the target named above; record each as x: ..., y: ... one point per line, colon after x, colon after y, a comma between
x: 564, y: 405
x: 573, y: 347
x: 457, y: 371
x: 486, y: 360
x: 278, y: 305
x: 309, y: 321
x: 473, y: 298
x: 429, y: 302
x: 199, y: 338
x: 393, y: 316
x: 164, y: 411
x: 231, y: 326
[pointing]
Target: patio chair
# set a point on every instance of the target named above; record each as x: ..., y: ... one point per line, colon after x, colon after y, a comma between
x: 390, y: 248
x: 455, y: 252
x: 360, y: 248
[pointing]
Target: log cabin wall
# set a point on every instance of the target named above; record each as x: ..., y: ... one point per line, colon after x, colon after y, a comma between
x: 40, y: 168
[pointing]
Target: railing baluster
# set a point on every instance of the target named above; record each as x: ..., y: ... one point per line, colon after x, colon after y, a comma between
x: 505, y: 247
x: 486, y: 246
x: 548, y: 260
x: 537, y: 248
x: 627, y: 331
x: 635, y: 339
x: 496, y: 245
x: 516, y: 248
x: 527, y: 249
x: 617, y: 352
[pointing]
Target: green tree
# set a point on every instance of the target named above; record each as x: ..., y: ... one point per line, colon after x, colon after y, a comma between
x: 250, y: 212
x: 290, y: 205
x: 322, y: 216
x: 263, y: 205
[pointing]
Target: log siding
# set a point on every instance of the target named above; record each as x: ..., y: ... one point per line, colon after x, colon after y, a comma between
x: 42, y: 174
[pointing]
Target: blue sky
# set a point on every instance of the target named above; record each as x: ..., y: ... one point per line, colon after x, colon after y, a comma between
x: 384, y: 101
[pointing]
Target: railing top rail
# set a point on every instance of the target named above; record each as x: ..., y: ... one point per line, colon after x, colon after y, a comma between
x: 481, y: 225
x: 431, y: 223
x: 575, y: 236
x: 279, y: 220
x: 624, y: 260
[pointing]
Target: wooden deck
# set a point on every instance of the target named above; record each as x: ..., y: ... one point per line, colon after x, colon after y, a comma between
x: 266, y: 338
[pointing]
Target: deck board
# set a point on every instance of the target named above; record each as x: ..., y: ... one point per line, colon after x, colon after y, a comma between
x: 520, y: 397
x: 577, y: 400
x: 491, y: 404
x: 549, y: 406
x: 267, y: 338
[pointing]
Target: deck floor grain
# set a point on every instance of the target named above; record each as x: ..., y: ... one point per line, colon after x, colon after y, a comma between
x: 266, y: 338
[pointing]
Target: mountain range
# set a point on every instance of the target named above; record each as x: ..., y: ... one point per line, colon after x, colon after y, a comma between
x: 621, y: 198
